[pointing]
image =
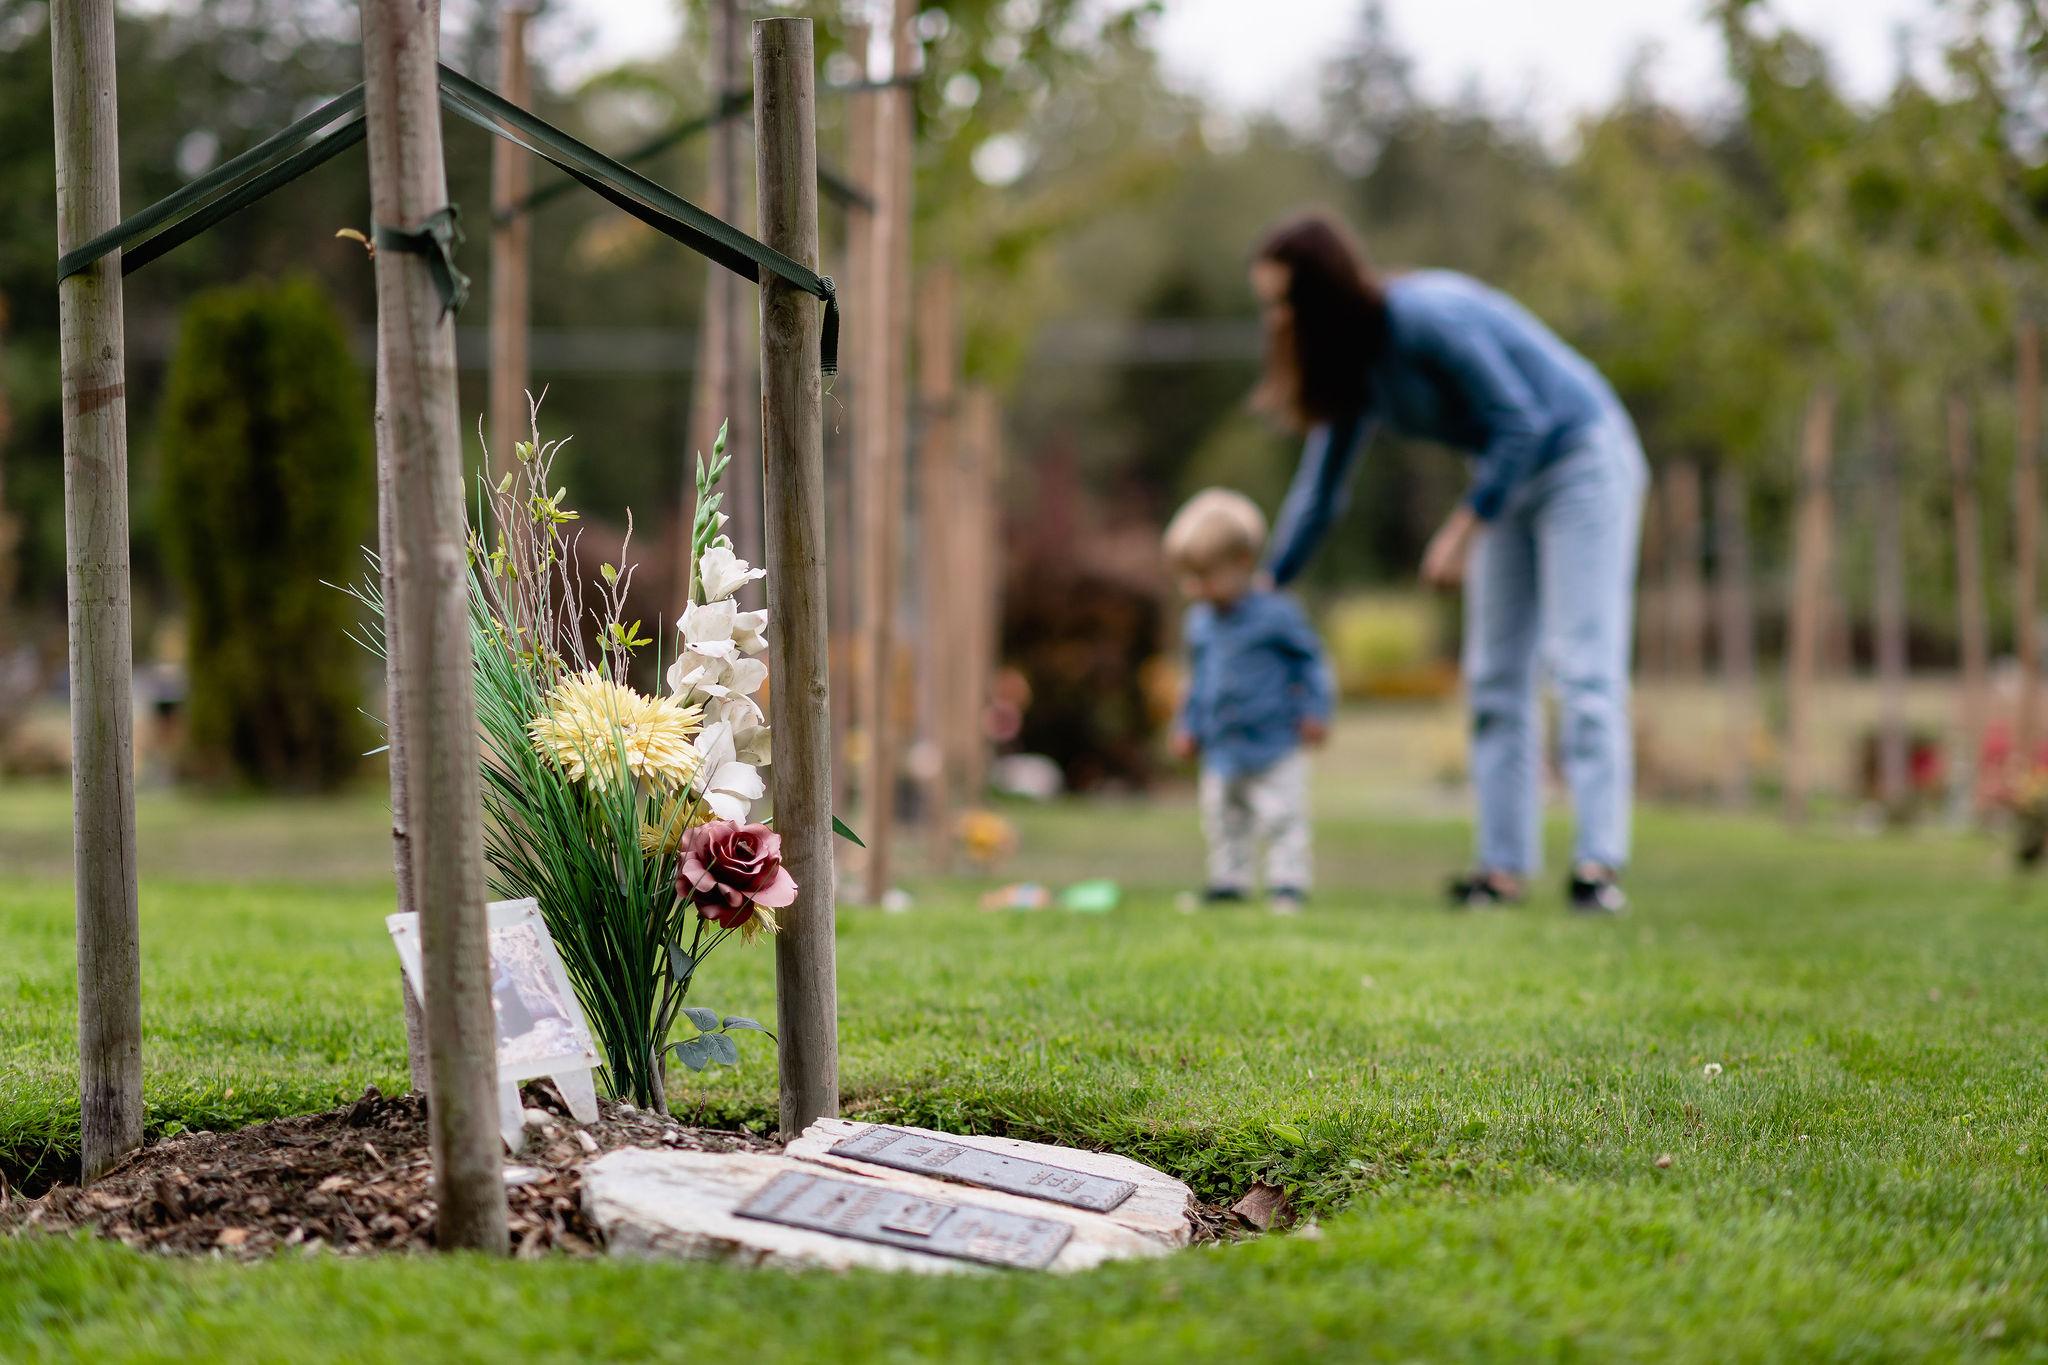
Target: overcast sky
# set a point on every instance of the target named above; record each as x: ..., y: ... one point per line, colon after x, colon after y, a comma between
x: 1549, y: 58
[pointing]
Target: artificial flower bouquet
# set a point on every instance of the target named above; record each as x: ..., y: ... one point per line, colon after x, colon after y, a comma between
x: 627, y: 816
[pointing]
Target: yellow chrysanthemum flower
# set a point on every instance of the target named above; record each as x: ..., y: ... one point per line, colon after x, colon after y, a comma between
x: 592, y: 720
x: 678, y: 816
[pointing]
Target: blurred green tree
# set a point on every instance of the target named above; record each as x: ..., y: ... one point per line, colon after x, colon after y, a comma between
x: 268, y: 486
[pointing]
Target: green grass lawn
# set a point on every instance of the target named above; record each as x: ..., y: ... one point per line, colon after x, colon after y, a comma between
x: 1473, y: 1106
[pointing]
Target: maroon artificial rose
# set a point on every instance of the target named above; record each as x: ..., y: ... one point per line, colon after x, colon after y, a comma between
x: 728, y: 869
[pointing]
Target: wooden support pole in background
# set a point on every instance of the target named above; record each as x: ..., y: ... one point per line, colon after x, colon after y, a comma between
x: 938, y: 584
x: 1685, y: 615
x: 1970, y: 622
x: 2026, y: 549
x: 1737, y: 626
x: 845, y: 482
x: 793, y: 462
x: 1811, y: 528
x: 92, y: 352
x: 725, y: 388
x: 884, y: 333
x: 1888, y: 603
x: 982, y: 537
x: 429, y: 616
x: 511, y: 250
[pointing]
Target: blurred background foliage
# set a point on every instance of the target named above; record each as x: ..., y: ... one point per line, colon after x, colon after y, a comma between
x: 1718, y: 266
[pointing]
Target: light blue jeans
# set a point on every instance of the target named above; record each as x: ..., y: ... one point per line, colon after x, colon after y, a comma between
x: 1553, y: 577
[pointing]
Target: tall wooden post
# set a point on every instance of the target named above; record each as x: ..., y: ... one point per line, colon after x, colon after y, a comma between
x: 429, y: 616
x: 938, y: 380
x: 1737, y: 630
x: 511, y: 238
x: 1970, y: 624
x: 793, y: 461
x: 2026, y: 549
x: 982, y: 533
x: 884, y: 331
x: 1888, y: 601
x: 1810, y: 552
x: 92, y: 357
x: 1684, y: 596
x: 725, y: 389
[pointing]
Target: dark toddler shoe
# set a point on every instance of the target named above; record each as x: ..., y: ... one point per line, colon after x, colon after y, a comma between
x: 1593, y: 890
x: 1483, y: 890
x: 1222, y: 895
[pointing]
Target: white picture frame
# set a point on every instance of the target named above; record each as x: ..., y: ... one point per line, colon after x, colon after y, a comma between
x: 541, y: 1027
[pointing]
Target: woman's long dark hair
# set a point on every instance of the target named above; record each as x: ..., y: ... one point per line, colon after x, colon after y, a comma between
x: 1316, y: 362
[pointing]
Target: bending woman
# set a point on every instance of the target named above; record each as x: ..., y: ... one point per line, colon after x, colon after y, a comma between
x: 1544, y: 543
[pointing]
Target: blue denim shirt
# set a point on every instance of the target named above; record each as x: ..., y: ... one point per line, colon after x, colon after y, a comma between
x: 1466, y: 366
x: 1255, y: 672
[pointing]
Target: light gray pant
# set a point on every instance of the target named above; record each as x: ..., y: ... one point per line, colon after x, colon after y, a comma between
x: 1270, y: 807
x: 1555, y: 574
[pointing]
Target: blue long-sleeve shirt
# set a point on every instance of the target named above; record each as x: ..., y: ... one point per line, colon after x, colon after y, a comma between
x: 1466, y: 366
x: 1255, y: 673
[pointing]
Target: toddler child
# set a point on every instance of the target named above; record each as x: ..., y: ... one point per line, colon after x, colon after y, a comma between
x: 1258, y: 690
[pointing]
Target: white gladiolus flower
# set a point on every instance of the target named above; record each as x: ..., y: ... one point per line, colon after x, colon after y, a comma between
x: 728, y: 786
x: 749, y: 727
x: 724, y: 573
x: 750, y: 630
x: 745, y: 676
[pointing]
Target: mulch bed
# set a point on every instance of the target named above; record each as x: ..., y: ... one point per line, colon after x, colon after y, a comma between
x: 351, y: 1181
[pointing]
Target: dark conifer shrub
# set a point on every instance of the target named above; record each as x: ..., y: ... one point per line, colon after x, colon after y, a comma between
x: 268, y: 494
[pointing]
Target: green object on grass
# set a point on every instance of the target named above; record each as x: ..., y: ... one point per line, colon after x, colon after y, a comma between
x: 1095, y: 897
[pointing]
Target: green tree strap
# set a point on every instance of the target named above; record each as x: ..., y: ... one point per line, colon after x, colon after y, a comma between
x: 660, y: 208
x: 243, y: 195
x: 206, y: 187
x: 224, y: 191
x: 435, y: 239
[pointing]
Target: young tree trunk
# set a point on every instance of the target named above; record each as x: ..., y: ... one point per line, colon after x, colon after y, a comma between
x: 511, y: 237
x: 2026, y: 509
x: 1810, y: 552
x: 92, y: 357
x: 1737, y: 626
x: 1970, y: 623
x: 884, y: 331
x: 1685, y: 598
x: 429, y: 615
x: 938, y: 505
x: 725, y: 390
x: 1888, y: 598
x: 793, y: 460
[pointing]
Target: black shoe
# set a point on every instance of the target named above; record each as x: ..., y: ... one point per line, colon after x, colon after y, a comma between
x: 1593, y: 890
x: 1285, y: 900
x: 1480, y: 891
x: 1222, y: 895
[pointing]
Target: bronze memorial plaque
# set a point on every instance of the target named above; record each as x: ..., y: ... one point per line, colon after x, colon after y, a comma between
x: 870, y: 1213
x: 905, y: 1151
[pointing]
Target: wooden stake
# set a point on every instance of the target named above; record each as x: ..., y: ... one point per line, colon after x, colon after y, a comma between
x: 1888, y: 601
x: 1970, y: 623
x: 938, y: 379
x: 793, y: 461
x: 1685, y: 598
x: 2026, y: 509
x: 725, y: 389
x: 884, y: 329
x: 90, y: 327
x: 1810, y: 535
x: 511, y: 236
x: 1737, y: 626
x: 429, y: 615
